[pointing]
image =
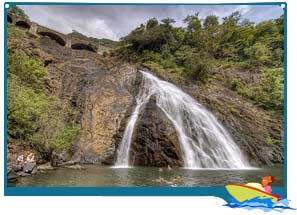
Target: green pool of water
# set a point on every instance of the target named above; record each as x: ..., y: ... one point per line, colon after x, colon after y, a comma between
x: 105, y: 176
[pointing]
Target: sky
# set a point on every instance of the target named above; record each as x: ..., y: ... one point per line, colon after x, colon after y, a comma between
x: 116, y: 21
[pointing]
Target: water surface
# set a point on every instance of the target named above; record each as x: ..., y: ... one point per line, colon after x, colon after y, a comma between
x: 105, y: 176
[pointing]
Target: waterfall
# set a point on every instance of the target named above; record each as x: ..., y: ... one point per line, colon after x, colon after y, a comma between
x: 204, y: 142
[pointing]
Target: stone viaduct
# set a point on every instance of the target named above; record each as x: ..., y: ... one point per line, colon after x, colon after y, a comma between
x: 60, y: 38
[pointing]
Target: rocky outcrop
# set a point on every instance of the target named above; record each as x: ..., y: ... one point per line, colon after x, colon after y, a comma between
x: 101, y: 91
x: 15, y: 171
x: 106, y: 100
x: 154, y: 140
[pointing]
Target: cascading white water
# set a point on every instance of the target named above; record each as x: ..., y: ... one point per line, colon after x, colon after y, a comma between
x: 204, y: 142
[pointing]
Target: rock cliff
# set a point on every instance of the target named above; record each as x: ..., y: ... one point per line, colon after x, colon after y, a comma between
x: 154, y: 140
x: 103, y: 91
x: 100, y: 89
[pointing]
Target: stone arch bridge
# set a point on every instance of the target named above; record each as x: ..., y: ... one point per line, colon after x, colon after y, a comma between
x: 60, y: 38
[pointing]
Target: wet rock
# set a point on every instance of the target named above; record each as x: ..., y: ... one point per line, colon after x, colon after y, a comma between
x: 154, y: 140
x: 11, y: 175
x: 30, y: 167
x: 34, y: 171
x: 16, y: 168
x: 46, y: 166
x: 59, y: 158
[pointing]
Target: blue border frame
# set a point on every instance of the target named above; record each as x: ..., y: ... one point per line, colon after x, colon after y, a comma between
x: 134, y: 191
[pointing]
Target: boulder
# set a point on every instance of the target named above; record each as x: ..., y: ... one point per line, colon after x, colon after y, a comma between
x: 16, y: 168
x: 30, y: 167
x: 154, y: 140
x: 11, y: 175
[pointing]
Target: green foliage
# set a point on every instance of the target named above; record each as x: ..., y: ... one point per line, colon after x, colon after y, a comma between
x: 159, y: 68
x: 197, y: 67
x: 259, y: 54
x: 272, y: 89
x: 24, y: 109
x: 269, y: 93
x: 151, y: 56
x: 65, y: 138
x: 194, y: 50
x: 168, y: 62
x: 41, y: 121
x: 236, y: 84
x: 151, y: 23
x: 18, y: 12
x: 270, y: 141
x: 15, y: 33
x: 28, y: 70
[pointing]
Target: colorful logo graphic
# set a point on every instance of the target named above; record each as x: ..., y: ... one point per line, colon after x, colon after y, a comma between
x: 256, y: 195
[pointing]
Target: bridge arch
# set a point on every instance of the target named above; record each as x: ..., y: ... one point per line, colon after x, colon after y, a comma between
x: 81, y: 46
x: 9, y: 19
x: 53, y: 36
x: 22, y: 24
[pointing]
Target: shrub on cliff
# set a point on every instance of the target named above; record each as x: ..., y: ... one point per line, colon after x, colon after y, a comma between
x: 268, y: 93
x: 25, y: 107
x: 40, y: 120
x: 271, y: 94
x: 197, y: 67
x: 29, y: 71
x: 259, y: 54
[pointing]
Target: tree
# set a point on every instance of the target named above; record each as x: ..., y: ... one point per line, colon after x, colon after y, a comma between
x: 211, y: 28
x: 233, y: 19
x: 259, y: 54
x: 168, y: 22
x: 193, y: 23
x: 197, y: 67
x: 151, y: 23
x: 211, y: 22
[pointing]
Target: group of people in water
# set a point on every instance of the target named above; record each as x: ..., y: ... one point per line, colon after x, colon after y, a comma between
x: 23, y: 159
x: 172, y: 182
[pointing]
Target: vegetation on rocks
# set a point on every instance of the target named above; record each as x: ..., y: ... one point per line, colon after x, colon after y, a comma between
x: 36, y: 118
x: 204, y: 45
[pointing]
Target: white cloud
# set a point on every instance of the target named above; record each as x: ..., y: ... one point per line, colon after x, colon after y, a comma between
x: 96, y: 28
x: 117, y: 21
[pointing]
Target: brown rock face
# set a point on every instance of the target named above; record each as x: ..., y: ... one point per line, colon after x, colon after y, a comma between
x: 106, y: 102
x: 154, y: 140
x: 99, y: 88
